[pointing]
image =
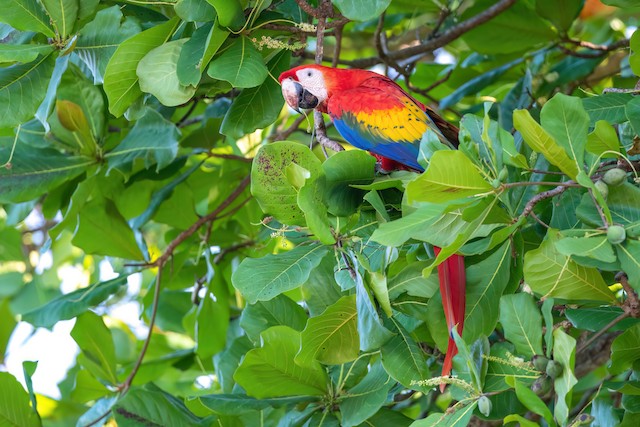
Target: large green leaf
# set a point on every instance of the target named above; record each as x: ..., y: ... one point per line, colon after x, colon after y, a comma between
x: 236, y: 404
x: 271, y: 186
x: 552, y: 274
x: 625, y: 350
x: 362, y: 10
x: 458, y: 418
x: 564, y: 353
x: 153, y: 140
x: 230, y: 13
x: 7, y: 324
x: 280, y: 310
x: 150, y: 406
x: 100, y: 38
x: 96, y: 346
x: 261, y: 279
x: 15, y: 409
x: 63, y: 14
x: 22, y: 88
x: 23, y: 52
x: 73, y: 304
x: 629, y: 256
x: 120, y: 78
x: 270, y: 371
x: 102, y: 230
x: 540, y: 140
x: 609, y: 107
x: 332, y: 337
x: 241, y: 65
x: 34, y: 172
x: 565, y: 119
x: 634, y: 58
x: 195, y: 10
x: 256, y: 107
x: 404, y: 360
x: 26, y: 15
x: 157, y: 74
x: 603, y: 138
x: 533, y: 402
x: 560, y: 12
x: 366, y: 398
x: 451, y: 175
x: 342, y: 170
x: 522, y: 323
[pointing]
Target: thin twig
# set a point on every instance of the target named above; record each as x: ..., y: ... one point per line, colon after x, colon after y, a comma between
x: 595, y: 336
x: 540, y: 197
x: 284, y: 134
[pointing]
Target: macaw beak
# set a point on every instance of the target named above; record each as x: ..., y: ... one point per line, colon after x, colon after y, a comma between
x: 296, y: 96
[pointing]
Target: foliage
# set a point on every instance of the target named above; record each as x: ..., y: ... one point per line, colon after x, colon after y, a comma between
x: 281, y: 287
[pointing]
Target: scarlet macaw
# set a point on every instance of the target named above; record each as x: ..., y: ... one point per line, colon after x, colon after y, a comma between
x: 373, y: 113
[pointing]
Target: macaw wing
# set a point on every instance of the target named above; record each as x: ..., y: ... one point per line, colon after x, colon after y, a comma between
x: 378, y: 116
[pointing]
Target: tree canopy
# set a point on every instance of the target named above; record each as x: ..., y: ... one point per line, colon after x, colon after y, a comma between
x: 284, y: 282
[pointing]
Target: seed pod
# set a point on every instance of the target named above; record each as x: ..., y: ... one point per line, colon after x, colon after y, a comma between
x: 540, y: 362
x: 602, y: 188
x: 616, y: 234
x: 554, y: 369
x: 484, y: 405
x: 614, y: 177
x: 542, y: 385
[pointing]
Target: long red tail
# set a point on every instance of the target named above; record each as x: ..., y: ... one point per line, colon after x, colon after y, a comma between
x: 453, y: 289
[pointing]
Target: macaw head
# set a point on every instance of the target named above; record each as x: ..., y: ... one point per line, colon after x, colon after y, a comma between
x: 310, y: 86
x: 304, y: 87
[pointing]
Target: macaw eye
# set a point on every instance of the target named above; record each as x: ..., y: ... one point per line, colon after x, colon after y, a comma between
x: 309, y: 73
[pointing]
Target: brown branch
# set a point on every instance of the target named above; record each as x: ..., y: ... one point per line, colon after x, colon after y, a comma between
x: 624, y: 43
x: 447, y: 37
x: 284, y: 134
x: 631, y: 304
x: 595, y: 336
x: 540, y: 197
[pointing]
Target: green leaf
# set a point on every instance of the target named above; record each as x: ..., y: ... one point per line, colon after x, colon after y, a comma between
x: 486, y: 281
x: 212, y: 321
x: 552, y: 274
x: 100, y: 38
x: 362, y: 10
x: 365, y: 398
x: 35, y: 172
x: 26, y: 15
x: 102, y: 230
x: 416, y: 225
x: 458, y: 418
x: 450, y: 176
x: 230, y: 13
x: 370, y: 329
x: 236, y: 404
x: 522, y: 323
x: 270, y: 371
x: 7, y: 324
x: 597, y: 247
x: 120, y: 78
x: 594, y: 319
x: 404, y: 360
x: 629, y: 256
x: 538, y: 139
x: 332, y: 337
x: 15, y: 409
x: 514, y: 30
x: 280, y: 310
x: 632, y: 110
x: 342, y: 170
x: 152, y: 139
x: 96, y: 346
x: 634, y: 58
x: 533, y: 403
x: 23, y: 52
x: 565, y: 119
x: 73, y: 304
x: 151, y: 406
x: 257, y: 107
x: 310, y: 201
x: 603, y: 138
x: 270, y: 185
x: 625, y: 350
x: 261, y: 279
x: 63, y: 14
x: 547, y: 315
x: 502, y: 367
x: 609, y: 107
x: 241, y: 65
x: 561, y: 13
x: 23, y: 88
x: 195, y: 10
x: 564, y: 352
x: 189, y: 65
x: 157, y: 74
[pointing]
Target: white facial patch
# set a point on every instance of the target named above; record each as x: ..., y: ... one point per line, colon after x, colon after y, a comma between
x: 313, y: 81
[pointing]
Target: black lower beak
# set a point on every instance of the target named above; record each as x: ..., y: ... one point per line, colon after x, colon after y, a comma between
x: 306, y: 100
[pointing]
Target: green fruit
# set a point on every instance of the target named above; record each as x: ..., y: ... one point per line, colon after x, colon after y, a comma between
x: 542, y: 385
x: 602, y: 187
x: 554, y: 369
x: 540, y: 362
x: 484, y: 405
x: 503, y: 175
x: 616, y: 234
x: 614, y: 176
